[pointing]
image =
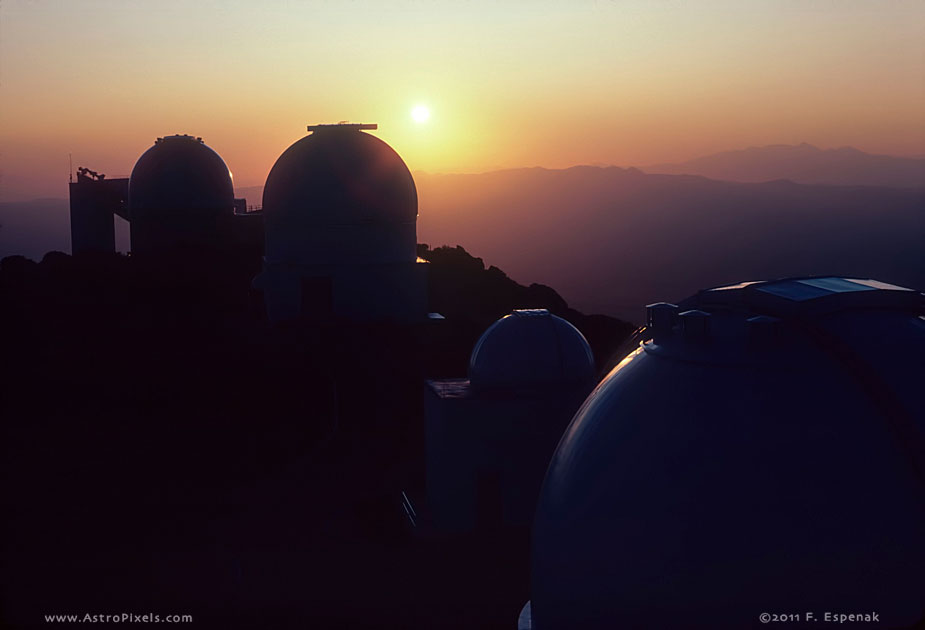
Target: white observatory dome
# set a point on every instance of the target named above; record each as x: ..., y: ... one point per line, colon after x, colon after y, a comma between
x: 340, y: 195
x: 530, y: 348
x: 762, y: 453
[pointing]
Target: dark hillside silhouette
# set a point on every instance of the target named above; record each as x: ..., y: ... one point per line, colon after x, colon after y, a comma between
x: 473, y: 297
x: 165, y: 448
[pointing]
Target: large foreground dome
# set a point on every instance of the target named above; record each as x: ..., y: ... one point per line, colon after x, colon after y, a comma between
x: 763, y: 453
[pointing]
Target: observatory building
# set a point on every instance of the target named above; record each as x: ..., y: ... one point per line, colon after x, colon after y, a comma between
x: 180, y: 196
x: 341, y: 210
x: 762, y: 452
x: 95, y: 202
x: 490, y: 436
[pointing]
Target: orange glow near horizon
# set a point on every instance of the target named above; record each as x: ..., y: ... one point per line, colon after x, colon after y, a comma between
x: 515, y: 84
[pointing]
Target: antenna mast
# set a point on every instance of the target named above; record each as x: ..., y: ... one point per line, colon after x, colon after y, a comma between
x: 70, y: 168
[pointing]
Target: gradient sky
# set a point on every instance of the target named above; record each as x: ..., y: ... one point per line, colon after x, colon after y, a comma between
x: 508, y: 83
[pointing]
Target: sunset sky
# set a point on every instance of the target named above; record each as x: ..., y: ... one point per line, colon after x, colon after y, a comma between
x: 506, y: 83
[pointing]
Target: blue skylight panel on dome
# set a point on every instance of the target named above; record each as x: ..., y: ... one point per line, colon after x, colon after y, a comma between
x: 876, y: 284
x: 794, y: 291
x: 836, y: 285
x: 811, y: 288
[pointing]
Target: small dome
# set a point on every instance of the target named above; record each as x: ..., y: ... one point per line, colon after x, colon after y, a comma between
x: 761, y: 453
x: 339, y: 175
x: 530, y: 348
x: 180, y: 174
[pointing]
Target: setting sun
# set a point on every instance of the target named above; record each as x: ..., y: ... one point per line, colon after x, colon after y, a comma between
x: 420, y: 114
x: 454, y: 329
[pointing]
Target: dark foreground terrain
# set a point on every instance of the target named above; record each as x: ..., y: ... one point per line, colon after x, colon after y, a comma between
x: 167, y: 451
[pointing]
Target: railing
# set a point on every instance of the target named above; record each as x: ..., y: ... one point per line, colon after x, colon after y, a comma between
x: 409, y: 509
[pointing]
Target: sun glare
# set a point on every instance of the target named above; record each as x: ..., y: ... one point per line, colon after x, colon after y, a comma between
x: 420, y: 114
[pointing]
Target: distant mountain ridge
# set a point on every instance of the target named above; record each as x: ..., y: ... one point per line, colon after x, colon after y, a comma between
x: 804, y: 164
x: 612, y: 240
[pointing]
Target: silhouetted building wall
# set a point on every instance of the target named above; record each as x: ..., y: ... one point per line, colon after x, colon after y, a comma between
x: 94, y: 202
x: 490, y: 437
x: 179, y: 198
x: 341, y: 209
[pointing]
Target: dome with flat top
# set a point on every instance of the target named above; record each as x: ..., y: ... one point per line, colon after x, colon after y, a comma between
x: 339, y: 175
x: 530, y: 348
x: 180, y: 175
x: 340, y: 196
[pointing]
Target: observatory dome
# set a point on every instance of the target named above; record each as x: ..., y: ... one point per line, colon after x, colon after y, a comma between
x: 347, y: 185
x: 339, y: 175
x: 762, y: 453
x: 180, y: 174
x: 530, y: 348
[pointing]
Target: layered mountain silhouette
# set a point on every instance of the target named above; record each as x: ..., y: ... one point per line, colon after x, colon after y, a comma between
x: 612, y: 240
x: 804, y: 164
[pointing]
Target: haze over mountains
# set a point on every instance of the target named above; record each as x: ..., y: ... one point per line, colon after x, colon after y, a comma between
x: 804, y: 164
x: 611, y: 240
